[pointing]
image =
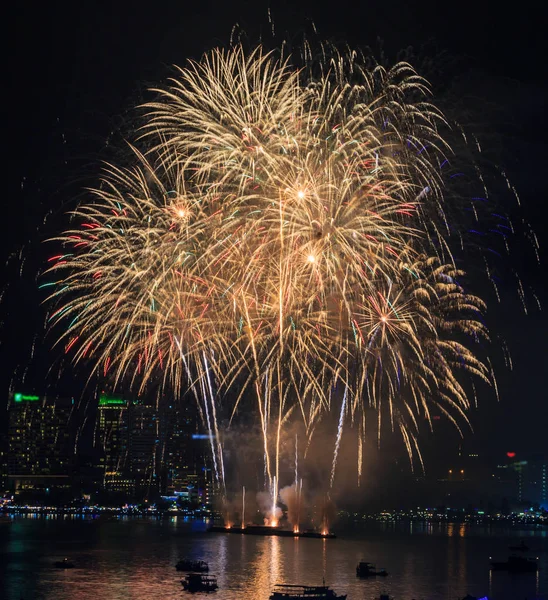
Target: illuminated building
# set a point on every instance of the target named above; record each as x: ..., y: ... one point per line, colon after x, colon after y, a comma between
x: 113, y: 438
x: 531, y: 481
x: 178, y: 426
x: 544, y: 486
x: 144, y: 447
x: 3, y: 467
x: 528, y: 480
x: 40, y: 444
x: 185, y: 455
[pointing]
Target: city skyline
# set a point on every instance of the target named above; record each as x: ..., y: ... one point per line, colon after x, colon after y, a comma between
x: 145, y: 452
x: 133, y: 451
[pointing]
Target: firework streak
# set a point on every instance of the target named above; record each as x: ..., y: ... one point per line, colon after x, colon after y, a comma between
x: 283, y: 229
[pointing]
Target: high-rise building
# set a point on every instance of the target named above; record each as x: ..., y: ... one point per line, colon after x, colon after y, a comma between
x: 185, y: 452
x: 3, y: 467
x: 40, y: 443
x: 544, y: 485
x: 112, y: 435
x: 531, y: 481
x: 152, y: 449
x: 177, y: 428
x: 144, y: 448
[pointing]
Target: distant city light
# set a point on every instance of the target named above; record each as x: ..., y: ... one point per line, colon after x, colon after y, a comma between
x: 23, y: 398
x: 510, y: 454
x: 202, y: 436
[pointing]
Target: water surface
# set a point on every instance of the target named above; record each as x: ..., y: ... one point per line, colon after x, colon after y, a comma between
x: 134, y: 559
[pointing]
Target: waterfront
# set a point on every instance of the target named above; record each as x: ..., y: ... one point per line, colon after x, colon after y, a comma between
x: 133, y: 558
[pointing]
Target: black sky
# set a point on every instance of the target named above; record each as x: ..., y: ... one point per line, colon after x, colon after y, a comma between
x: 76, y: 69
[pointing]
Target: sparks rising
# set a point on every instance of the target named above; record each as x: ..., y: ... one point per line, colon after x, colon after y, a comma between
x: 285, y: 230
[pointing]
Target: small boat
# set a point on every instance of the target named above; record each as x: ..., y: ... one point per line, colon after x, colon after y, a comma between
x: 521, y: 548
x: 63, y: 564
x: 197, y: 566
x: 516, y: 564
x: 196, y: 582
x: 367, y: 569
x: 288, y: 591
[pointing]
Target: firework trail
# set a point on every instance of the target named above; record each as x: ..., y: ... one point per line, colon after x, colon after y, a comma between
x: 284, y: 229
x: 243, y: 507
x: 339, y: 436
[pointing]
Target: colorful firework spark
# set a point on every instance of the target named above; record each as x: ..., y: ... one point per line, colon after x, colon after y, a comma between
x: 285, y: 228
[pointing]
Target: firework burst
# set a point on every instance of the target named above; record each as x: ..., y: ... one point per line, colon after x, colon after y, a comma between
x: 284, y: 229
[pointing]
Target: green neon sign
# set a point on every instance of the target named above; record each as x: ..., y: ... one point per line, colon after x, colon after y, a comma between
x: 24, y: 398
x: 106, y: 401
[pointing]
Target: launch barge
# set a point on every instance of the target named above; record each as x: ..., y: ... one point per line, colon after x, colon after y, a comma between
x: 267, y: 530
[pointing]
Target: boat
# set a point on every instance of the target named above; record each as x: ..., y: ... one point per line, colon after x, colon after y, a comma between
x: 269, y: 530
x: 198, y: 566
x: 522, y: 547
x: 287, y: 591
x: 516, y: 564
x: 196, y: 582
x: 63, y: 564
x: 367, y: 569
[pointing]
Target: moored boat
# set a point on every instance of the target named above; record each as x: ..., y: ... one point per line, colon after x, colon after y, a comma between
x: 516, y: 564
x: 196, y: 582
x: 63, y: 564
x: 198, y: 566
x: 520, y: 548
x: 287, y: 591
x: 367, y: 569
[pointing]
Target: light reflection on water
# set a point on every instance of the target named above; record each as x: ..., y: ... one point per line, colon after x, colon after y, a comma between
x: 134, y: 559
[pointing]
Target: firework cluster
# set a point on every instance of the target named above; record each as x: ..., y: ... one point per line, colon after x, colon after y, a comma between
x: 280, y: 231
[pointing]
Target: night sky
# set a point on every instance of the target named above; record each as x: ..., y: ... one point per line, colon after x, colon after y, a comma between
x: 76, y: 70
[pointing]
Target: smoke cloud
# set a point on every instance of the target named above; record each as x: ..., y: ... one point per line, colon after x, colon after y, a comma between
x: 292, y: 497
x: 264, y: 500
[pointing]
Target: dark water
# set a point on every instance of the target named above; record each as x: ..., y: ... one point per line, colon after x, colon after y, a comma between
x: 134, y: 559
